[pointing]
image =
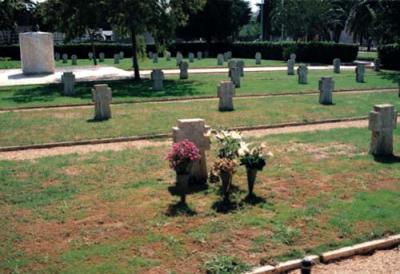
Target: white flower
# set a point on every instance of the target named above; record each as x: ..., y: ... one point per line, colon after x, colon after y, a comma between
x: 244, y: 149
x: 236, y: 135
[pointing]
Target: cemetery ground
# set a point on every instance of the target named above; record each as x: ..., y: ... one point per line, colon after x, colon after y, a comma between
x: 198, y: 85
x: 111, y: 212
x: 146, y: 63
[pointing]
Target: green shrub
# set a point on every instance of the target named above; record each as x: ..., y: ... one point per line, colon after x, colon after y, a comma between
x: 225, y: 265
x: 390, y: 56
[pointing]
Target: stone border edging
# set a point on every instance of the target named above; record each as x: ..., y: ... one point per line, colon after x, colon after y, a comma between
x: 330, y: 256
x: 166, y: 135
x: 194, y: 98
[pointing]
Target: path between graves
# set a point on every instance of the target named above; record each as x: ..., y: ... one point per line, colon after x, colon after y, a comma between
x: 118, y: 144
x: 199, y: 98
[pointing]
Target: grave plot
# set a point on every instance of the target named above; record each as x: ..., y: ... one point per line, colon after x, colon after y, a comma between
x: 112, y: 212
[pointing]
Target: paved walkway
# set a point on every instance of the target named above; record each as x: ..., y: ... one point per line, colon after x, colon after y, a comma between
x: 14, y: 77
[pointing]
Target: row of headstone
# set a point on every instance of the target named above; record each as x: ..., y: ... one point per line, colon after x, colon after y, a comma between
x: 64, y: 56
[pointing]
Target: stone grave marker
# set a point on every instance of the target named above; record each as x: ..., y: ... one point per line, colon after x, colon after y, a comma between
x: 326, y: 87
x: 65, y: 58
x: 184, y: 67
x: 101, y: 57
x: 240, y: 65
x: 336, y: 65
x: 225, y: 55
x: 377, y: 65
x: 258, y: 58
x: 121, y: 55
x: 102, y: 97
x: 235, y: 76
x: 191, y: 57
x: 168, y: 56
x: 382, y: 122
x: 155, y: 58
x: 231, y: 64
x: 157, y: 75
x: 199, y: 55
x: 57, y: 56
x: 293, y: 56
x: 74, y: 60
x: 90, y: 55
x: 226, y: 92
x: 179, y: 58
x: 302, y: 72
x: 220, y: 60
x: 68, y: 80
x: 196, y: 131
x: 360, y: 71
x: 290, y: 67
x: 116, y: 58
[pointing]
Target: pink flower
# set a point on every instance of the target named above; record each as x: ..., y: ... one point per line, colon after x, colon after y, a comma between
x: 182, y: 154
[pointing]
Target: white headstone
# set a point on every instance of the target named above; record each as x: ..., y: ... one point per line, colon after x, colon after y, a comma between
x: 382, y: 122
x: 102, y: 97
x: 293, y: 56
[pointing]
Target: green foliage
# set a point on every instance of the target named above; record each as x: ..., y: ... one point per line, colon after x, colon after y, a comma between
x: 225, y: 265
x: 390, y: 56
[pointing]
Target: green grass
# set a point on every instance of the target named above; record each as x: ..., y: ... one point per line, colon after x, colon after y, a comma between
x: 36, y: 127
x: 197, y: 85
x: 367, y: 55
x: 312, y: 198
x: 126, y: 63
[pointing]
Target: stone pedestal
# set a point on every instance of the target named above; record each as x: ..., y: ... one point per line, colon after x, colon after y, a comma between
x: 102, y: 97
x: 258, y: 58
x: 155, y: 58
x: 65, y: 58
x: 377, y: 65
x: 302, y: 72
x: 240, y: 64
x: 382, y: 122
x: 74, y: 60
x: 290, y: 67
x: 179, y: 58
x: 68, y: 80
x: 116, y: 58
x: 37, y: 52
x: 326, y: 87
x: 360, y: 71
x: 199, y: 55
x: 336, y: 65
x: 101, y: 57
x: 235, y: 76
x: 226, y: 92
x: 220, y: 60
x: 157, y: 75
x: 195, y: 131
x: 191, y: 57
x: 184, y: 67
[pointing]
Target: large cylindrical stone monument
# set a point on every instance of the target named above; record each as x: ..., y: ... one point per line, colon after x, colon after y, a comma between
x: 37, y: 52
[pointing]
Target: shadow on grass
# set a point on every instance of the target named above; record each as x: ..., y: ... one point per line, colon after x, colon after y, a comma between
x: 225, y: 206
x: 122, y: 89
x: 392, y: 76
x: 391, y: 159
x: 180, y: 209
x: 253, y: 199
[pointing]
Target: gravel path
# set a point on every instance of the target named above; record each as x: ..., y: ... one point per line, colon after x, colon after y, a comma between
x: 381, y: 262
x: 31, y: 154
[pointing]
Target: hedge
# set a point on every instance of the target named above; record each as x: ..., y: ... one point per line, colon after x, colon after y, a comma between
x: 312, y: 52
x: 390, y: 56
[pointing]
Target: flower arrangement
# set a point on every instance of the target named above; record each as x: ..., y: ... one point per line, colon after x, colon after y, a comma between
x: 253, y: 158
x: 182, y: 155
x: 229, y: 143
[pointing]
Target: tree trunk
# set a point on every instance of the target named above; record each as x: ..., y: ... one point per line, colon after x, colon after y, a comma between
x: 93, y: 49
x: 134, y: 55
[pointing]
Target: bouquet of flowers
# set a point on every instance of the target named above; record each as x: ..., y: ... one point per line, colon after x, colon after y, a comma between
x: 253, y: 158
x: 182, y: 155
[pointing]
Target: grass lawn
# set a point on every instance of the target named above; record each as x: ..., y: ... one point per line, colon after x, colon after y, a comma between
x: 367, y: 55
x: 35, y: 127
x: 111, y: 212
x: 126, y: 63
x: 197, y: 85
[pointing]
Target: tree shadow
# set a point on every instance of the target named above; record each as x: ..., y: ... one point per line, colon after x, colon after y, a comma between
x: 392, y: 76
x: 179, y: 209
x: 390, y: 159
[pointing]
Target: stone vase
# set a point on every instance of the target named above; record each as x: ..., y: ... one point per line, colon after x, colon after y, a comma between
x: 251, y: 178
x: 226, y: 179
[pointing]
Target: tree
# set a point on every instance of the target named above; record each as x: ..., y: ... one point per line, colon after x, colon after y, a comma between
x: 220, y: 20
x: 76, y: 18
x: 159, y: 17
x: 337, y: 17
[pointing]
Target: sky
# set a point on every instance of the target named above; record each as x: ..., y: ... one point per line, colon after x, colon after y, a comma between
x: 253, y: 4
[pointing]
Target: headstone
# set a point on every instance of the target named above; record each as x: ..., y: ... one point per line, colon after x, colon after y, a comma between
x: 116, y: 58
x: 229, y: 55
x: 226, y: 92
x: 225, y: 57
x: 68, y: 80
x: 90, y: 55
x: 155, y: 58
x: 377, y: 65
x: 150, y: 55
x: 121, y: 55
x: 231, y: 64
x: 206, y: 54
x: 293, y: 56
x: 101, y: 57
x: 258, y: 58
x: 220, y: 60
x: 184, y: 74
x: 290, y: 67
x: 382, y: 122
x: 336, y: 65
x: 326, y: 87
x: 168, y: 56
x: 191, y: 57
x: 302, y: 72
x: 102, y: 96
x: 195, y: 130
x: 157, y: 75
x: 235, y: 76
x: 57, y: 56
x: 199, y: 55
x: 360, y: 71
x: 65, y: 58
x: 37, y: 52
x: 179, y: 58
x: 74, y: 60
x: 240, y: 65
